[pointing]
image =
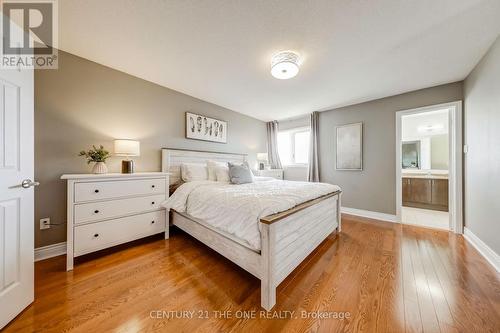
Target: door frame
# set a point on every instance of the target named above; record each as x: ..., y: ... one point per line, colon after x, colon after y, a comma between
x: 455, y: 190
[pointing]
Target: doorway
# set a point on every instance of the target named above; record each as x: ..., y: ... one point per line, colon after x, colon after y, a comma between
x: 429, y: 166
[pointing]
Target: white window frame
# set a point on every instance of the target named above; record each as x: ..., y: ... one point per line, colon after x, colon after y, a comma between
x: 291, y: 132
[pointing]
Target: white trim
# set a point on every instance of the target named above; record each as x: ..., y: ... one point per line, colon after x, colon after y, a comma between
x: 491, y: 256
x: 49, y: 251
x: 455, y: 172
x: 455, y: 169
x: 370, y: 214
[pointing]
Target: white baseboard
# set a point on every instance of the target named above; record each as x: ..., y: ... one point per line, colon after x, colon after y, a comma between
x: 491, y: 256
x: 49, y: 251
x: 369, y: 214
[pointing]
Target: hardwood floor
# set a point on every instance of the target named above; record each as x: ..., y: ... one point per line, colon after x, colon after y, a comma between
x: 385, y: 277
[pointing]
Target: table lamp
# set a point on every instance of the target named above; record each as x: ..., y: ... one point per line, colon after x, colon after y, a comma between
x: 262, y: 158
x: 127, y: 148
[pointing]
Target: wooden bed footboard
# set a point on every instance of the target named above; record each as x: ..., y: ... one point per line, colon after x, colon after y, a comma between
x: 288, y: 238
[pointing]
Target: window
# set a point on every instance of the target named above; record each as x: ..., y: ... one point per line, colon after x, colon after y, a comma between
x: 293, y: 146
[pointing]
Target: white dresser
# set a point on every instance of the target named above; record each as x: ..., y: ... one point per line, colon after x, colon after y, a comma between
x: 275, y: 173
x: 110, y: 209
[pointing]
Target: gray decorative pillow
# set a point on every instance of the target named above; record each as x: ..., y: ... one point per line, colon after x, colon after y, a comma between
x: 240, y: 174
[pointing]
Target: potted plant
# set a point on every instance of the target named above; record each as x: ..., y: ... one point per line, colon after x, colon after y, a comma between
x: 97, y: 156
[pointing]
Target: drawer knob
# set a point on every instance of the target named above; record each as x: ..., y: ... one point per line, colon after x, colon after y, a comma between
x: 152, y: 222
x: 152, y: 202
x: 152, y: 186
x: 96, y: 191
x: 96, y: 235
x: 96, y: 211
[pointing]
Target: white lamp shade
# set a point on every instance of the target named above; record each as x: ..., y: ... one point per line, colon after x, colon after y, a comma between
x: 285, y: 65
x: 127, y: 148
x: 261, y: 156
x: 285, y: 70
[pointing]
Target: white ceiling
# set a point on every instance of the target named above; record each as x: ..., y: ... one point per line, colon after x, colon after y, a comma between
x: 415, y: 126
x: 220, y: 50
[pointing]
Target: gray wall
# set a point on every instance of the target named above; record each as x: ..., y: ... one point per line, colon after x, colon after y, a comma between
x: 83, y: 103
x: 291, y: 123
x: 482, y: 162
x: 374, y: 188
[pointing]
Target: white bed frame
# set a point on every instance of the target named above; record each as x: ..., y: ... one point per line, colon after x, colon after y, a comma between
x: 287, y: 238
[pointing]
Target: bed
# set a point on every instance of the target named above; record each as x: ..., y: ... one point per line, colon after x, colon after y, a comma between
x: 285, y: 237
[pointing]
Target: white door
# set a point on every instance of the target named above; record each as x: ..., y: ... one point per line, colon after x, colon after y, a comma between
x: 16, y: 201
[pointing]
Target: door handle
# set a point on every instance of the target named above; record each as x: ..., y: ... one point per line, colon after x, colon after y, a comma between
x: 27, y: 183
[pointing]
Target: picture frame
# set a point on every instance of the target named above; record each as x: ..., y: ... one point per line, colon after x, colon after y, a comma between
x: 200, y: 127
x: 349, y: 147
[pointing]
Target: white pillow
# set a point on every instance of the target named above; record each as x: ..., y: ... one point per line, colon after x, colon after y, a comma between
x: 222, y: 173
x: 211, y: 165
x: 193, y: 171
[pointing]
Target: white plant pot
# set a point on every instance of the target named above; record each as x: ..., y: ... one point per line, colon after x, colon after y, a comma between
x: 99, y: 168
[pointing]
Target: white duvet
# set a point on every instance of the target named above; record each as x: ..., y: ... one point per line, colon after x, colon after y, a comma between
x: 237, y: 209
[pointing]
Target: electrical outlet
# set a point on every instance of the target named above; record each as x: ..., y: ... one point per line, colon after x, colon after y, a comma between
x: 45, y: 223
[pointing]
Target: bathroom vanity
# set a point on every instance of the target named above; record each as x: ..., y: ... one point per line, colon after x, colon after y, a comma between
x: 428, y: 191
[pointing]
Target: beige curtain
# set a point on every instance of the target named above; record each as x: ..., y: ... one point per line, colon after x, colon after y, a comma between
x: 272, y: 145
x: 313, y: 168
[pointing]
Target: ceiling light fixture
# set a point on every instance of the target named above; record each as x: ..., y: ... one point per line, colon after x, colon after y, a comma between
x: 285, y: 65
x: 430, y: 128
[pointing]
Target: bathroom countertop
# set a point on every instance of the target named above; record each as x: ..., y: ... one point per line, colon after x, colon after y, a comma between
x: 425, y: 174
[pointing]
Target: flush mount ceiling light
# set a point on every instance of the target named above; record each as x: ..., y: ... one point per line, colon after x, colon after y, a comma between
x: 430, y: 128
x: 285, y: 65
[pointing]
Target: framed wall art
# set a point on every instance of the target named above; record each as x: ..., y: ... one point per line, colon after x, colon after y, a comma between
x: 204, y: 128
x: 349, y: 147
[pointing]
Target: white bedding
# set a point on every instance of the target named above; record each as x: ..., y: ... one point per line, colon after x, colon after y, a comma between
x: 237, y: 209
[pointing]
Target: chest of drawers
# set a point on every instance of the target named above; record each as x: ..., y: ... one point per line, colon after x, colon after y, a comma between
x: 111, y: 209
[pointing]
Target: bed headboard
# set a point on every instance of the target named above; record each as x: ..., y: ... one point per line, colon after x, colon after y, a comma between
x: 172, y: 158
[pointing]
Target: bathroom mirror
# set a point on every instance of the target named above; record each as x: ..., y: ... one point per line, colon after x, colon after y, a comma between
x: 411, y: 155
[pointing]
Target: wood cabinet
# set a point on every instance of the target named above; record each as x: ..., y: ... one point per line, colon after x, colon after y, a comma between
x: 406, y: 190
x: 440, y: 192
x: 421, y: 190
x: 425, y: 193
